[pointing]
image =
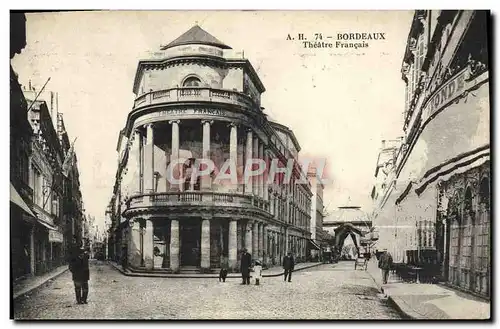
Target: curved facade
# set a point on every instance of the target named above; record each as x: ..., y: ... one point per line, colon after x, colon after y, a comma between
x: 194, y: 104
x: 435, y: 200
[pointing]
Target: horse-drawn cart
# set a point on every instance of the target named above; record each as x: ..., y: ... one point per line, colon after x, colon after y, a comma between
x: 361, y: 261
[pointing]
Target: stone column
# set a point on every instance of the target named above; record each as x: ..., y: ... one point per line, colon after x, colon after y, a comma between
x: 272, y: 204
x: 233, y: 150
x: 134, y: 248
x: 149, y: 160
x: 174, y: 245
x: 206, y: 179
x: 255, y: 240
x: 137, y: 149
x: 205, y: 245
x: 248, y: 157
x: 240, y: 235
x: 266, y: 188
x: 261, y: 177
x: 175, y: 153
x: 32, y: 250
x: 255, y: 187
x: 265, y: 245
x: 148, y: 245
x: 286, y: 250
x: 304, y: 246
x: 248, y: 237
x: 232, y: 244
x: 261, y: 241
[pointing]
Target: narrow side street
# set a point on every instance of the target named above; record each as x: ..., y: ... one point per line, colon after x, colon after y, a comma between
x: 330, y: 291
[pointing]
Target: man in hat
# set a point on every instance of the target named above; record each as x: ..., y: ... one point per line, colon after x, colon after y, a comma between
x: 385, y: 264
x: 246, y: 262
x: 288, y: 266
x: 79, y: 267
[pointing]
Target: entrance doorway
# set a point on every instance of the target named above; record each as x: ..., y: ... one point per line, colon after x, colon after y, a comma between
x: 190, y: 232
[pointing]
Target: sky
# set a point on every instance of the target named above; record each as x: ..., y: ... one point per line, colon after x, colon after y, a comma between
x: 340, y: 103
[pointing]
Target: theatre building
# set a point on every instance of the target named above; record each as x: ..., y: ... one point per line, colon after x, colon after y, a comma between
x: 437, y: 195
x: 195, y: 100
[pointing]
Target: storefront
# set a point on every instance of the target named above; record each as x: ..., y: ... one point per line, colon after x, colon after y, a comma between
x: 56, y: 246
x: 21, y: 228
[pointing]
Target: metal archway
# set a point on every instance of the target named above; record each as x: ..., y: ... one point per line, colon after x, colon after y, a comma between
x: 341, y: 234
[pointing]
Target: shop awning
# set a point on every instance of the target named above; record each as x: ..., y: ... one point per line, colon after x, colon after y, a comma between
x: 18, y: 200
x: 47, y: 225
x: 314, y: 245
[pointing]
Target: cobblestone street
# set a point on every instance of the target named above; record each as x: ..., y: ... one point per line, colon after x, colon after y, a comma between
x: 324, y: 292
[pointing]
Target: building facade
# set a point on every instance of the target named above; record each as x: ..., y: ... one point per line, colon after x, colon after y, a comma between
x: 38, y: 147
x: 72, y: 203
x: 319, y: 238
x: 46, y: 182
x: 194, y: 101
x: 435, y: 199
x: 22, y: 218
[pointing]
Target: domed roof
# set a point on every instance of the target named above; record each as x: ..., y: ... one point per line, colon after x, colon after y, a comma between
x: 348, y: 214
x: 196, y: 35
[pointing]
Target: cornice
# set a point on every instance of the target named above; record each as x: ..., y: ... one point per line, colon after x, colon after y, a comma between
x: 171, y: 61
x: 197, y: 211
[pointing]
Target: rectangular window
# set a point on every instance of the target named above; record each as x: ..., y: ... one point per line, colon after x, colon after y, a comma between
x: 47, y: 195
x: 421, y: 51
x: 37, y: 187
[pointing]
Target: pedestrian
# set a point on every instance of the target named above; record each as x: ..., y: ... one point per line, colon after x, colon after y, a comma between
x: 79, y: 267
x: 288, y: 266
x: 124, y: 257
x: 385, y: 264
x: 246, y: 262
x: 223, y: 271
x: 257, y: 270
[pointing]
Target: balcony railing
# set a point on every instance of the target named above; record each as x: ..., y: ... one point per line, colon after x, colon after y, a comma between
x: 24, y: 189
x: 201, y: 197
x: 194, y: 94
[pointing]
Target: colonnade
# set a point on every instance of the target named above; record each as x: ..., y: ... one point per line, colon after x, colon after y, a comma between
x: 143, y: 145
x: 251, y: 234
x: 141, y: 242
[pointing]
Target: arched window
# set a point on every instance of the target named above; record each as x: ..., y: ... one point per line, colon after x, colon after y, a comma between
x: 484, y: 192
x: 192, y: 82
x: 467, y: 240
x: 454, y: 222
x: 482, y: 252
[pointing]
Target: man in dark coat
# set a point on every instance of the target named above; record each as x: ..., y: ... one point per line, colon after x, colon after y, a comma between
x: 124, y: 257
x: 288, y: 266
x: 385, y: 264
x: 246, y: 263
x: 79, y: 267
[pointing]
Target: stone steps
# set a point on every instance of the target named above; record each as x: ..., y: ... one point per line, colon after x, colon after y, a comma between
x: 214, y: 273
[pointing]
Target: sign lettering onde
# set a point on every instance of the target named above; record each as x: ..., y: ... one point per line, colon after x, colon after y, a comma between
x: 449, y: 91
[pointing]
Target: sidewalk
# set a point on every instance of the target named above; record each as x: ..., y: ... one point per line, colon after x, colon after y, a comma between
x: 430, y: 301
x: 30, y: 284
x: 271, y: 272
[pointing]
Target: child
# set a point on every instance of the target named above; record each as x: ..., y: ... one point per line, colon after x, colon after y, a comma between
x: 223, y: 271
x: 223, y: 274
x: 257, y: 269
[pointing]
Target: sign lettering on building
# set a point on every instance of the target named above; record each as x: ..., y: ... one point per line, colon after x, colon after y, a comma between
x: 55, y: 236
x: 207, y: 111
x: 186, y: 113
x: 446, y: 93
